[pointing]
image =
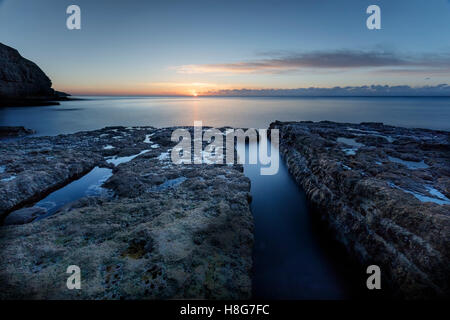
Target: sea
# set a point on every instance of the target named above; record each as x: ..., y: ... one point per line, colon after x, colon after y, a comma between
x: 240, y: 112
x: 294, y: 256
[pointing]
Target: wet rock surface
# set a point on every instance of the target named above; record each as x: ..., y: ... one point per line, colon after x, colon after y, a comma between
x: 384, y: 191
x: 164, y: 231
x: 25, y: 215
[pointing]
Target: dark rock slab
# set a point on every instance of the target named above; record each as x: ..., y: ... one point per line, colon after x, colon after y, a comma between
x: 385, y: 193
x: 22, y: 82
x: 23, y: 216
x: 14, y: 132
x: 32, y: 168
x: 170, y: 231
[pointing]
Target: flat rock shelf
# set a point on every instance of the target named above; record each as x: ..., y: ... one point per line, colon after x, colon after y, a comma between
x: 149, y: 229
x: 384, y: 192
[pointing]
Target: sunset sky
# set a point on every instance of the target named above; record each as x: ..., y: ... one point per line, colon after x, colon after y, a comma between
x: 197, y: 47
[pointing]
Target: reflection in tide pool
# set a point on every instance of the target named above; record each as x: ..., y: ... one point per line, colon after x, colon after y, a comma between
x: 119, y: 160
x: 413, y: 165
x: 88, y: 185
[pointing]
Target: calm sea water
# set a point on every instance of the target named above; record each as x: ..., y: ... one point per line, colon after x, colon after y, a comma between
x: 289, y: 259
x: 292, y: 258
x: 98, y: 112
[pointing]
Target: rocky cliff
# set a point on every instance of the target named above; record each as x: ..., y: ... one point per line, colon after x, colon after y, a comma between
x: 22, y: 81
x: 153, y: 230
x: 384, y: 191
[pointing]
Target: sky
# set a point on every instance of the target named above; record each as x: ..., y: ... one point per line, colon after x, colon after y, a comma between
x: 230, y: 47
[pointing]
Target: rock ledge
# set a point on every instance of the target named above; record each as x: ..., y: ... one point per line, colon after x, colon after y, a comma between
x: 384, y: 191
x: 162, y: 231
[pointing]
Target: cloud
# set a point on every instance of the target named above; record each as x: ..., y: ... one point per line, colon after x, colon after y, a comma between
x: 372, y: 90
x: 323, y: 60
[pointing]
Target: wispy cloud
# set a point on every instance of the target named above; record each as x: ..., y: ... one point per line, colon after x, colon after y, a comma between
x: 373, y: 90
x: 333, y: 60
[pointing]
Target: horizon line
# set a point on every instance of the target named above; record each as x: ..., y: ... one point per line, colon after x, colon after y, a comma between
x: 256, y: 96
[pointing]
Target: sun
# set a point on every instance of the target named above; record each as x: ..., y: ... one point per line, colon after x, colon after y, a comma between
x: 194, y: 93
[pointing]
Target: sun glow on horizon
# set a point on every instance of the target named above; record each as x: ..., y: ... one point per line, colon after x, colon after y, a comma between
x: 168, y: 88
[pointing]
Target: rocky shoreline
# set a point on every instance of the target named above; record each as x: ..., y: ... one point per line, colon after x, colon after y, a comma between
x: 384, y: 192
x: 161, y: 231
x: 151, y: 229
